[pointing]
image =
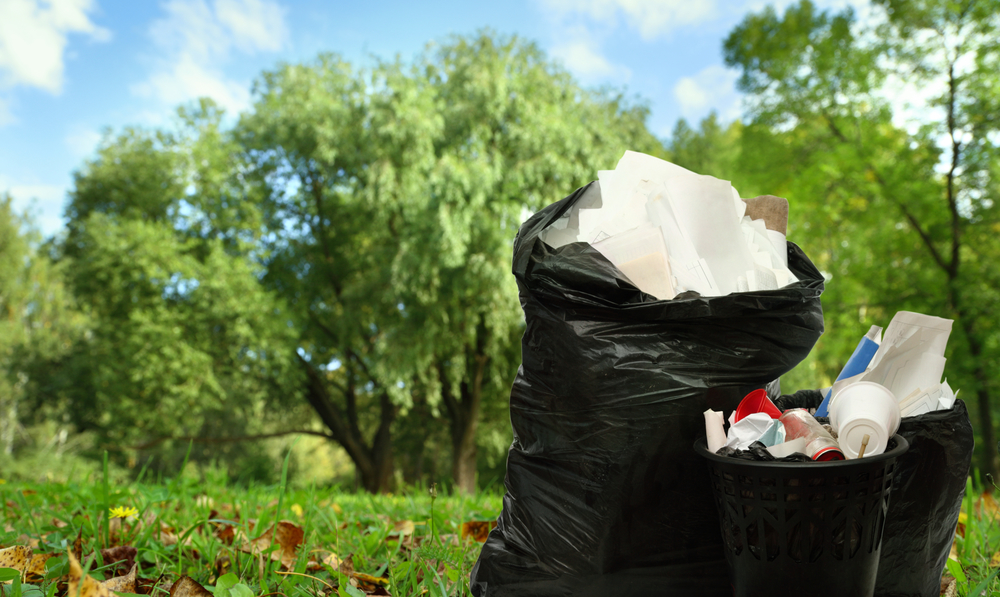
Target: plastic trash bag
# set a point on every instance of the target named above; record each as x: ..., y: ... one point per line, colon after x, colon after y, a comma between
x: 925, y: 502
x: 605, y: 494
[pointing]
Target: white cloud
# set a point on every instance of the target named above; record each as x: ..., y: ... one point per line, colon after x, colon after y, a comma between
x: 186, y: 79
x: 33, y: 37
x: 196, y: 39
x: 42, y: 202
x: 584, y: 60
x: 651, y: 18
x: 714, y: 88
x: 255, y: 24
x: 81, y: 141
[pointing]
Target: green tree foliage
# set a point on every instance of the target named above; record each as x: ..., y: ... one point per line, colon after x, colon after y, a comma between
x: 184, y: 341
x: 711, y: 149
x: 399, y: 189
x: 345, y: 245
x: 37, y: 317
x: 899, y: 208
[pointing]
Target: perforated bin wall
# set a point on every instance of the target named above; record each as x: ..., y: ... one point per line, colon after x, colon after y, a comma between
x: 798, y: 529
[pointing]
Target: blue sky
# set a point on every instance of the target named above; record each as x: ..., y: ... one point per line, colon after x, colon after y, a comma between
x: 71, y: 68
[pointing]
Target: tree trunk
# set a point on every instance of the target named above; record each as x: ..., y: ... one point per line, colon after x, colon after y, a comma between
x: 373, y: 464
x: 989, y: 463
x: 463, y: 411
x: 464, y: 450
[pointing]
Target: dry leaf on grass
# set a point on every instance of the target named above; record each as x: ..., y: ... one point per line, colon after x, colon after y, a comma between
x: 81, y: 585
x: 995, y: 560
x: 123, y: 558
x: 188, y: 587
x: 368, y: 583
x: 344, y: 566
x: 987, y: 506
x: 478, y: 530
x: 403, y: 528
x: 286, y: 535
x: 951, y: 589
x: 36, y: 567
x: 149, y: 586
x: 122, y: 584
x: 16, y: 557
x: 222, y: 565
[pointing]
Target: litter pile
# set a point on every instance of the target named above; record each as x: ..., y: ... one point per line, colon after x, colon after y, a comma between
x: 909, y: 361
x: 671, y: 231
x: 883, y: 381
x: 614, y: 383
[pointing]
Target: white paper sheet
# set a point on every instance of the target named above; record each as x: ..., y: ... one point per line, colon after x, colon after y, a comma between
x: 642, y: 256
x: 787, y: 448
x: 704, y: 209
x: 748, y: 430
x: 708, y: 245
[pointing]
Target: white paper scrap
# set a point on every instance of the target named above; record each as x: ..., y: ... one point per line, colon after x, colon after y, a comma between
x: 748, y: 430
x: 787, y: 448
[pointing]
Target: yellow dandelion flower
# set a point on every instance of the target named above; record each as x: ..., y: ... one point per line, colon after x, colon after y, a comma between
x: 123, y: 512
x: 297, y: 510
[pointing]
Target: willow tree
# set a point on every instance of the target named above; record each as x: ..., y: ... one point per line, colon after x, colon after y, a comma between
x: 399, y: 189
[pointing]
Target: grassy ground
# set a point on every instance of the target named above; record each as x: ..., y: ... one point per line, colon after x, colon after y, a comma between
x: 325, y: 543
x: 974, y: 563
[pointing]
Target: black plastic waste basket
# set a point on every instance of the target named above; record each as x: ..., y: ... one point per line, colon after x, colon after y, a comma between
x: 812, y: 528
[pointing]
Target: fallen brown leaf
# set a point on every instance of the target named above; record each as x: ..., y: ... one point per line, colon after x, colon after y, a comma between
x: 122, y: 584
x: 288, y: 537
x: 403, y: 528
x: 988, y: 506
x: 478, y: 530
x: 78, y: 545
x: 344, y: 566
x: 222, y: 565
x: 369, y: 583
x: 36, y: 567
x: 951, y: 590
x: 188, y: 587
x: 81, y: 585
x: 16, y: 557
x: 123, y: 558
x: 147, y: 586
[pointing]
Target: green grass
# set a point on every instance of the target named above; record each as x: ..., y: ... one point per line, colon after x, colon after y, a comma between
x: 410, y: 540
x: 428, y: 558
x: 975, y: 561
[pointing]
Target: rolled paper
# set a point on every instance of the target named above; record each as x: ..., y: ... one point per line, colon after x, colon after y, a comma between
x: 714, y: 430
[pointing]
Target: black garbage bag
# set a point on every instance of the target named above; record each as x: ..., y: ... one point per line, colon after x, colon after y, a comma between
x: 605, y: 495
x: 925, y: 503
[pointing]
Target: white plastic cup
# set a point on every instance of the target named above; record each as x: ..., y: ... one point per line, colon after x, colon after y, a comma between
x: 864, y: 408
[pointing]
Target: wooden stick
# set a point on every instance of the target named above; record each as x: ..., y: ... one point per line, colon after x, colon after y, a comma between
x: 864, y: 445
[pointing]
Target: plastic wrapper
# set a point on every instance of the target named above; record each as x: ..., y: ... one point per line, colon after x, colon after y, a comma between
x: 758, y: 453
x: 605, y: 495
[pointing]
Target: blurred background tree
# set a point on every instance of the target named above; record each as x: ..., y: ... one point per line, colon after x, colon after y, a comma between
x: 335, y: 261
x: 899, y: 208
x: 346, y: 246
